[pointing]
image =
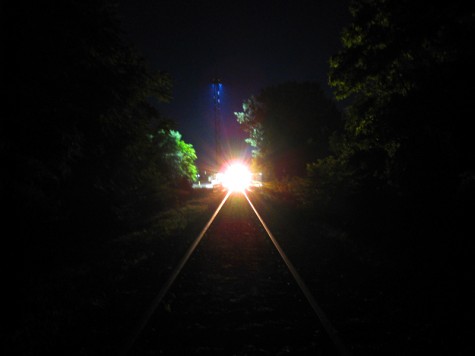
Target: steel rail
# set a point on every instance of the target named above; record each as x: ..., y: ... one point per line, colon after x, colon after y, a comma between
x: 327, y: 325
x: 156, y: 302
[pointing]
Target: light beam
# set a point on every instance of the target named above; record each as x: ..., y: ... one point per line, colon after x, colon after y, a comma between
x: 237, y: 177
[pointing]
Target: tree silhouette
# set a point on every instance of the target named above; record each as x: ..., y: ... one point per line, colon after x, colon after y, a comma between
x: 76, y: 133
x: 407, y: 68
x: 289, y: 125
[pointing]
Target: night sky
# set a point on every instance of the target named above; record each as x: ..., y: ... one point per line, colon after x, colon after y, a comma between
x: 248, y: 44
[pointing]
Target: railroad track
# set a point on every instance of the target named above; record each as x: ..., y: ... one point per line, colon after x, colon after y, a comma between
x: 234, y: 292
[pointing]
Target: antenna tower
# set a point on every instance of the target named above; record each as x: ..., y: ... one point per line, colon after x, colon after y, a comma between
x: 217, y: 87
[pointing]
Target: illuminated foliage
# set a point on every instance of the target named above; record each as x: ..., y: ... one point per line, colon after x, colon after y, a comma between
x: 179, y: 155
x: 74, y: 141
x: 403, y: 67
x: 251, y: 121
x: 288, y: 126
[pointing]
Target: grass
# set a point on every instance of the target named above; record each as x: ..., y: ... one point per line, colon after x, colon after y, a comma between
x: 89, y: 305
x: 379, y: 298
x: 393, y: 291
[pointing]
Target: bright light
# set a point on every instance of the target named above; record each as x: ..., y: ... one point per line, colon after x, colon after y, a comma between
x: 237, y: 177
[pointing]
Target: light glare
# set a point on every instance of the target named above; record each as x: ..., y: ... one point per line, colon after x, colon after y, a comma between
x: 237, y: 177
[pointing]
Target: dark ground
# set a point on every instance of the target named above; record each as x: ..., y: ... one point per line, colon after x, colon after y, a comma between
x: 406, y: 293
x: 235, y: 295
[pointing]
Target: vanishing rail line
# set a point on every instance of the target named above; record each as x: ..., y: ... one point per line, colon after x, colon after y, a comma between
x: 326, y: 324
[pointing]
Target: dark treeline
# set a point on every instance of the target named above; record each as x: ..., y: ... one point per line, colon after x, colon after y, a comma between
x: 407, y: 151
x: 83, y: 150
x: 288, y: 125
x: 403, y: 154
